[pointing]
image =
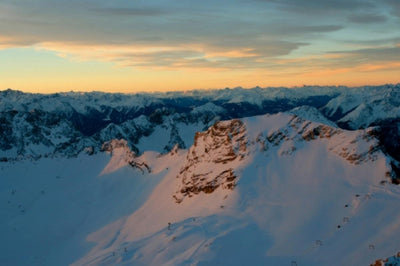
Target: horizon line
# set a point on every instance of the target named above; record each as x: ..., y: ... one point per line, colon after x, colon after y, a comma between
x: 202, y: 89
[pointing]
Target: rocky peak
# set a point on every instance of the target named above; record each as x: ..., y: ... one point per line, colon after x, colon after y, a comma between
x: 222, y: 144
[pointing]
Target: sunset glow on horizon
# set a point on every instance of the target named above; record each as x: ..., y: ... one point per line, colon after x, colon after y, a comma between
x: 130, y: 46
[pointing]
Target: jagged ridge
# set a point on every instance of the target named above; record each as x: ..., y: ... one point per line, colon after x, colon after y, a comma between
x: 65, y: 124
x: 221, y: 144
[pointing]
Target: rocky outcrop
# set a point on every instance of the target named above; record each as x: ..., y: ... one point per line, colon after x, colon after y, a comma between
x: 208, y: 161
x: 391, y: 261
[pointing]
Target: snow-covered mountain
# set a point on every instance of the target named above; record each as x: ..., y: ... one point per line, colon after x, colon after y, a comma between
x: 64, y: 124
x: 200, y: 178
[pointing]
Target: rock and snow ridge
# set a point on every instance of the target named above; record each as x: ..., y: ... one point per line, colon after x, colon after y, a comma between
x: 64, y: 124
x: 226, y: 143
x: 310, y: 187
x: 391, y: 261
x: 272, y: 189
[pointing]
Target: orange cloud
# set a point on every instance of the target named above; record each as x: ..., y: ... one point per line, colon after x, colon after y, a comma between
x: 189, y: 66
x: 239, y: 53
x: 376, y: 67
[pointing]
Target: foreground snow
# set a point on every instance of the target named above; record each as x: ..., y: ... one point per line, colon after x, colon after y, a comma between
x: 305, y: 194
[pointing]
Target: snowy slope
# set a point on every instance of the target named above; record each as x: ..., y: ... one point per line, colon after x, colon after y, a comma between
x: 312, y: 114
x: 304, y: 193
x: 49, y: 206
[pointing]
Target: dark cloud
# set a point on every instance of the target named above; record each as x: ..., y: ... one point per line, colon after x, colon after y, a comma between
x: 276, y: 48
x: 118, y: 11
x: 215, y: 57
x: 315, y: 28
x: 394, y: 6
x: 18, y: 42
x: 318, y: 7
x: 367, y: 18
x: 167, y: 56
x: 370, y: 55
x: 376, y: 41
x: 235, y: 33
x: 380, y: 54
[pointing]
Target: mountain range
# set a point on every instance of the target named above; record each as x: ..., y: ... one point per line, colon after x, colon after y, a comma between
x: 274, y: 176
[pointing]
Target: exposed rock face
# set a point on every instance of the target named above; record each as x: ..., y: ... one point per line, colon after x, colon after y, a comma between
x: 222, y: 144
x: 216, y: 152
x: 320, y: 131
x: 391, y: 261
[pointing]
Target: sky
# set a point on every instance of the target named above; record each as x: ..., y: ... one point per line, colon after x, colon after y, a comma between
x: 135, y: 45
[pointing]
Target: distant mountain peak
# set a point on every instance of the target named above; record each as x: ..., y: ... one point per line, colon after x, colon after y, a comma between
x: 122, y: 155
x: 33, y: 126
